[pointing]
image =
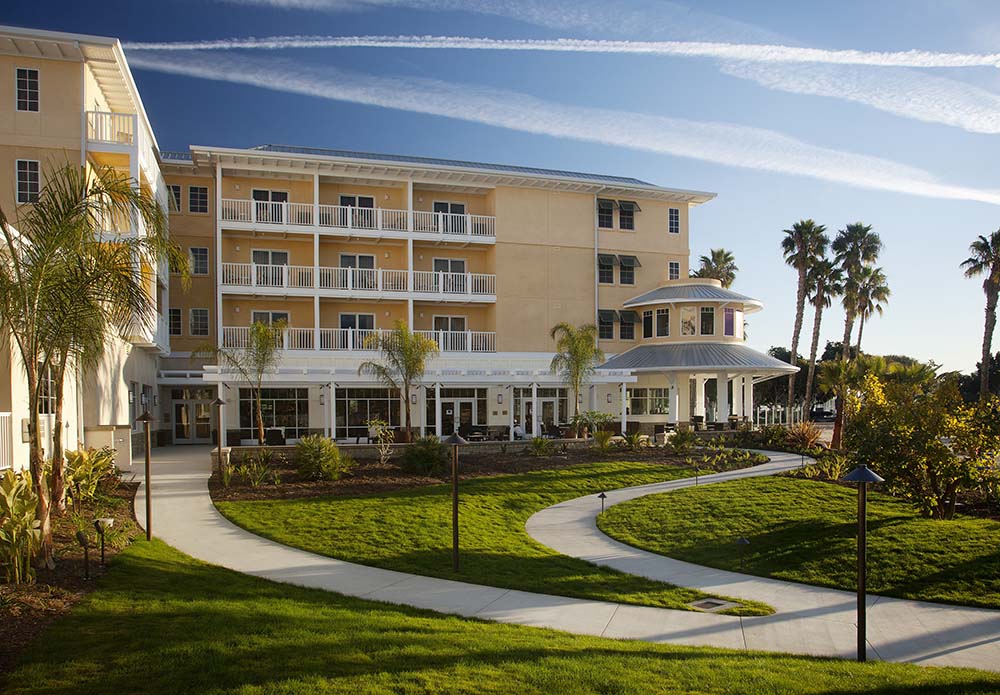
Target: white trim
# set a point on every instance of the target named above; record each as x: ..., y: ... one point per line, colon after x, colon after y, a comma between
x: 208, y: 205
x: 701, y: 325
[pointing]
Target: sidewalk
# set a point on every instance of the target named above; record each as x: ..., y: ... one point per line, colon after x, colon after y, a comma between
x: 809, y: 620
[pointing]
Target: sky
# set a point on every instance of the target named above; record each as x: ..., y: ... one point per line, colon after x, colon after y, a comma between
x: 886, y: 113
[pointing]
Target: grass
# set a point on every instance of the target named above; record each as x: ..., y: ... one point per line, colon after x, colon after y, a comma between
x: 161, y: 623
x: 410, y: 531
x: 805, y: 531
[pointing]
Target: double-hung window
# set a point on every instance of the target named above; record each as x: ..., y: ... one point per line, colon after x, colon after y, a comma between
x: 199, y: 260
x: 662, y: 323
x: 198, y: 199
x: 606, y: 263
x: 732, y: 323
x: 708, y: 320
x: 199, y: 322
x: 626, y: 329
x: 626, y: 214
x: 28, y: 181
x: 27, y: 89
x: 175, y: 321
x: 626, y: 270
x: 673, y: 270
x: 674, y: 221
x: 605, y: 214
x: 606, y: 324
x: 175, y: 197
x: 688, y: 324
x: 269, y: 318
x: 647, y: 323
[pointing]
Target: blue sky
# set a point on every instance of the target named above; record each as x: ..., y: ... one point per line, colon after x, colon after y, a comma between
x: 910, y: 149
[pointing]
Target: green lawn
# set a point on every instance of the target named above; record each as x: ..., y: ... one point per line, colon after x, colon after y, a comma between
x: 161, y: 623
x: 804, y: 530
x: 410, y: 531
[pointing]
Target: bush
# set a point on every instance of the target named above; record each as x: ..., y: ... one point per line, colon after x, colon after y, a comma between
x: 539, y: 446
x: 318, y: 458
x: 803, y: 435
x: 382, y: 433
x: 635, y: 440
x: 593, y: 420
x: 603, y: 439
x: 427, y: 456
x: 20, y: 531
x: 772, y: 437
x: 682, y: 441
x: 86, y: 471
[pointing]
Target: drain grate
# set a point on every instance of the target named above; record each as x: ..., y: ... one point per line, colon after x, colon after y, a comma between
x: 711, y: 605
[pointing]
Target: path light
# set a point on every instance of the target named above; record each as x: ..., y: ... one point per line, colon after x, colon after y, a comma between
x: 218, y: 403
x: 742, y: 543
x: 103, y: 525
x: 862, y: 476
x: 81, y: 538
x: 145, y: 419
x: 602, y: 497
x: 454, y: 440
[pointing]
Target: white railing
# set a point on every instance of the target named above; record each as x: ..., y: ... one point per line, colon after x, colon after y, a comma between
x: 349, y: 217
x: 6, y: 441
x: 438, y: 282
x: 359, y: 339
x: 356, y: 279
x: 111, y: 128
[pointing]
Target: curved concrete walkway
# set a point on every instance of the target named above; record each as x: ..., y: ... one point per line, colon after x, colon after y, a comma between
x: 184, y: 517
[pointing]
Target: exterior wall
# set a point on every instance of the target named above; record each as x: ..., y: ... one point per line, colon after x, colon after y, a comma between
x: 57, y: 124
x: 389, y: 197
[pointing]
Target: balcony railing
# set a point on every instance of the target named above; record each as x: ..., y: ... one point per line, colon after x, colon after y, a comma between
x: 237, y: 337
x: 355, y: 218
x: 256, y: 275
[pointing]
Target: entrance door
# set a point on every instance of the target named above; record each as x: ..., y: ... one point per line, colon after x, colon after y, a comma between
x: 457, y: 415
x: 549, y: 417
x: 192, y: 422
x: 549, y: 408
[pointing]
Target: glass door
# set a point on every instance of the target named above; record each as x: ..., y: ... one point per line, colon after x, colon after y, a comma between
x: 193, y: 421
x: 454, y: 274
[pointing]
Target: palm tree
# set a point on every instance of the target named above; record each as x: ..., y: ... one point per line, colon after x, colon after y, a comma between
x: 66, y: 278
x: 576, y: 358
x: 803, y: 245
x: 825, y: 282
x: 985, y: 260
x: 403, y: 357
x: 855, y: 247
x: 872, y: 293
x: 720, y: 264
x: 260, y: 355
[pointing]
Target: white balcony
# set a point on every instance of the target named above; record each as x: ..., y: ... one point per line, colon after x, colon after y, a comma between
x: 359, y: 282
x: 350, y: 220
x: 354, y: 339
x: 124, y: 133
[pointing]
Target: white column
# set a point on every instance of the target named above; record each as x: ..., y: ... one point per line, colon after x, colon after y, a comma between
x: 674, y: 401
x: 510, y: 414
x: 316, y: 207
x: 333, y: 411
x: 738, y: 396
x: 422, y: 404
x: 437, y: 410
x: 722, y: 397
x: 315, y: 322
x: 222, y: 422
x: 218, y: 253
x: 592, y: 398
x: 699, y: 395
x: 535, y: 429
x: 624, y: 407
x: 748, y: 405
x: 325, y: 397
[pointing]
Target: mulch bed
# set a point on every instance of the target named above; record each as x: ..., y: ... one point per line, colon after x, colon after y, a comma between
x: 372, y: 477
x: 27, y: 609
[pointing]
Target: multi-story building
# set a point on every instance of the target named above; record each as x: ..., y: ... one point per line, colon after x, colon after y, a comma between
x: 337, y: 246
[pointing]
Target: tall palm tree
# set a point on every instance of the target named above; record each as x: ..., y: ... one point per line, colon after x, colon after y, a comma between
x: 855, y: 246
x: 985, y: 260
x: 803, y: 245
x: 720, y: 264
x: 402, y: 362
x: 872, y: 293
x: 825, y: 282
x: 576, y: 358
x: 65, y: 278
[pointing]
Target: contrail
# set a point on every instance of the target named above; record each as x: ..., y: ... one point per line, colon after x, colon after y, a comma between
x: 721, y: 143
x: 757, y: 53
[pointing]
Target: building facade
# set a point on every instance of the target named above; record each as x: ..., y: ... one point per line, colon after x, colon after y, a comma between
x: 337, y: 246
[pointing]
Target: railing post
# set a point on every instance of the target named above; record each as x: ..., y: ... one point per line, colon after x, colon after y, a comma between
x: 378, y: 279
x: 468, y: 224
x: 349, y: 211
x: 440, y: 340
x: 440, y: 223
x: 284, y: 213
x: 468, y: 283
x: 468, y: 341
x: 253, y: 274
x: 440, y: 282
x: 378, y: 218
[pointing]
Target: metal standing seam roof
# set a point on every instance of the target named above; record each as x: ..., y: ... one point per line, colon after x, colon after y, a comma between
x: 693, y: 293
x: 697, y: 357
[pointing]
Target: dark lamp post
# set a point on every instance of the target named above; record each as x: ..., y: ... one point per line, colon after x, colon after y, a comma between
x: 218, y: 403
x: 863, y: 476
x: 454, y: 440
x: 602, y: 497
x: 145, y: 419
x: 742, y: 543
x: 102, y: 525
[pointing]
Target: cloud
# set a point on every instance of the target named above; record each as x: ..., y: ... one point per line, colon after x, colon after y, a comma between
x: 720, y: 143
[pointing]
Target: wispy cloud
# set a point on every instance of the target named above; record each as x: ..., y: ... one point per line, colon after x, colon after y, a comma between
x: 763, y: 53
x: 721, y: 143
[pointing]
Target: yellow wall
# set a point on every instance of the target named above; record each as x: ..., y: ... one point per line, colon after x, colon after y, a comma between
x: 238, y: 311
x: 424, y: 199
x: 330, y: 311
x: 57, y: 123
x: 392, y: 198
x: 330, y: 250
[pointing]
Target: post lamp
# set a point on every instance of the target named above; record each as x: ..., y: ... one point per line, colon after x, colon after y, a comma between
x: 454, y: 440
x: 742, y: 544
x: 102, y: 525
x: 862, y: 475
x: 218, y: 403
x: 145, y: 419
x: 602, y: 497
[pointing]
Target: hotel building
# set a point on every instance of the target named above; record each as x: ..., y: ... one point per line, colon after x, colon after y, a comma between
x: 336, y: 246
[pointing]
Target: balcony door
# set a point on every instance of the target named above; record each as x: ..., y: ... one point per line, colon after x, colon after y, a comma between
x: 361, y: 210
x: 270, y: 205
x: 270, y: 266
x: 454, y: 217
x: 362, y: 268
x: 450, y: 332
x: 454, y: 279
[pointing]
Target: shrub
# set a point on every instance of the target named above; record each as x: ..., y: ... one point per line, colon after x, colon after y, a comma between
x: 226, y: 473
x: 593, y: 420
x: 603, y: 439
x: 382, y: 433
x: 682, y: 441
x: 426, y: 456
x: 772, y: 437
x: 833, y: 466
x: 254, y: 470
x: 635, y: 440
x: 20, y: 531
x: 318, y: 458
x: 86, y: 471
x: 803, y: 435
x: 540, y: 446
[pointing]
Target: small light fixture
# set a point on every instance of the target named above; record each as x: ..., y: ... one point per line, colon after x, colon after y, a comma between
x: 413, y: 398
x: 387, y: 313
x: 322, y: 399
x: 499, y: 399
x: 609, y: 398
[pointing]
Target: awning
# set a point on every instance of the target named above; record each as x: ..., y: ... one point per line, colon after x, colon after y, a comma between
x: 607, y: 259
x: 630, y: 261
x: 629, y: 316
x: 629, y: 205
x: 607, y: 315
x: 605, y: 204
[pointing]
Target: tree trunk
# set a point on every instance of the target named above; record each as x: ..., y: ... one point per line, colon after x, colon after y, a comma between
x: 817, y: 321
x: 406, y: 409
x: 838, y: 423
x: 43, y: 513
x: 260, y: 418
x: 861, y: 330
x: 991, y: 322
x: 58, y: 459
x: 845, y: 349
x: 800, y: 307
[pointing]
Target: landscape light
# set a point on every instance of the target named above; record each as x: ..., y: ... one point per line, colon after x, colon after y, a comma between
x: 145, y: 419
x: 454, y: 440
x: 103, y: 525
x: 862, y: 475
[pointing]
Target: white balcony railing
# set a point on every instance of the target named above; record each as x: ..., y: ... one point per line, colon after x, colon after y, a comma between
x: 350, y: 218
x: 358, y: 339
x: 111, y: 128
x: 356, y: 279
x: 6, y: 441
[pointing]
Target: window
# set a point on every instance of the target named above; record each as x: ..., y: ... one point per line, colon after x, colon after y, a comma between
x: 708, y: 320
x: 649, y: 401
x: 688, y: 325
x: 199, y: 322
x: 448, y: 396
x: 647, y: 324
x: 175, y: 321
x: 284, y: 409
x: 269, y: 257
x: 662, y: 323
x: 47, y: 391
x: 175, y: 197
x: 454, y: 216
x: 362, y: 322
x: 626, y: 329
x: 133, y: 404
x: 626, y: 214
x: 198, y: 199
x: 356, y: 407
x: 199, y: 260
x: 674, y: 221
x: 674, y: 270
x: 606, y: 268
x: 269, y: 206
x: 606, y: 324
x: 147, y: 397
x: 28, y: 181
x: 357, y: 201
x: 269, y: 318
x: 606, y: 214
x: 733, y: 323
x: 27, y: 89
x: 626, y: 271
